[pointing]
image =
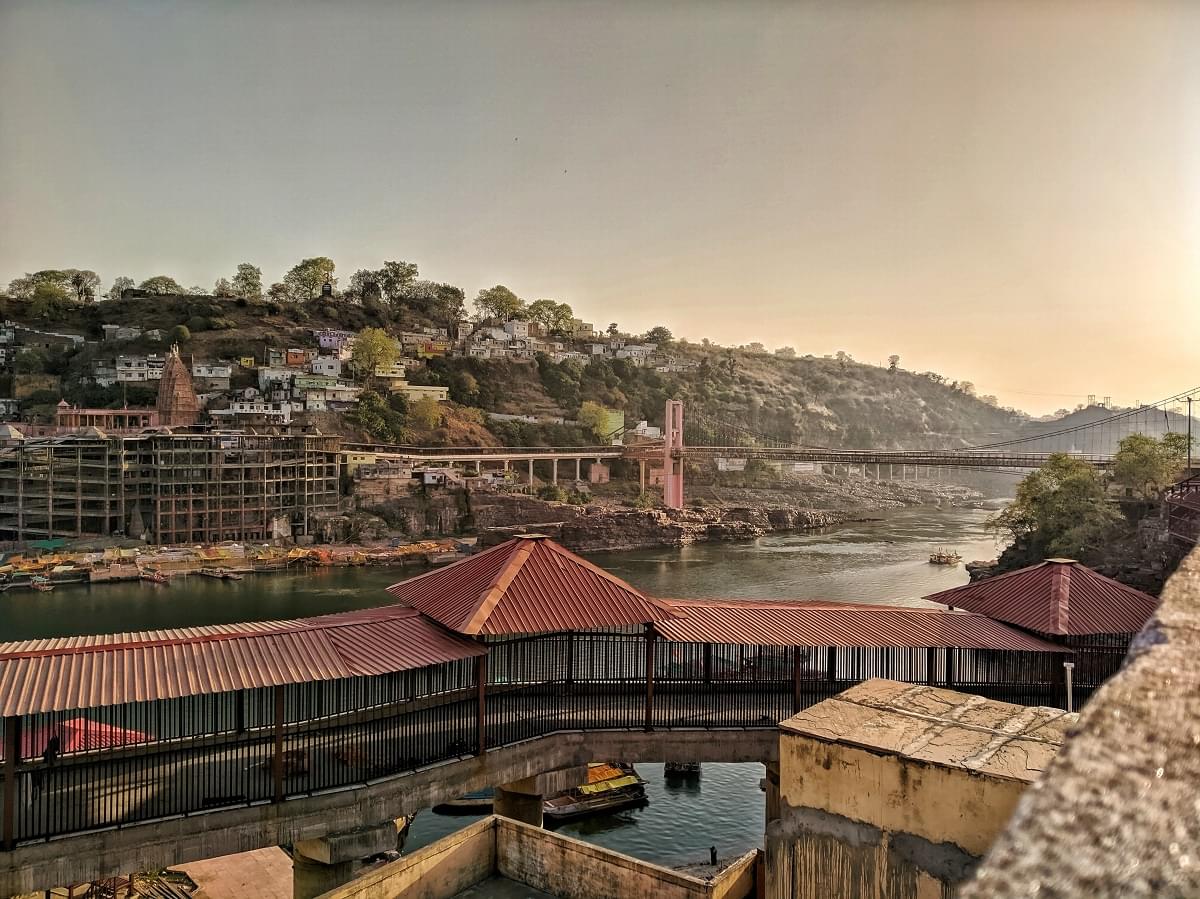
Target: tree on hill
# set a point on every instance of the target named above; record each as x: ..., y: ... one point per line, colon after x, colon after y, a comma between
x: 161, y: 285
x: 659, y: 334
x: 84, y: 282
x: 499, y: 302
x: 49, y: 300
x: 119, y: 286
x: 425, y: 413
x: 594, y: 418
x: 305, y: 279
x: 1062, y: 509
x: 893, y: 362
x: 612, y: 330
x: 222, y: 288
x: 79, y: 284
x: 554, y: 317
x: 374, y: 348
x: 1147, y: 464
x: 247, y: 281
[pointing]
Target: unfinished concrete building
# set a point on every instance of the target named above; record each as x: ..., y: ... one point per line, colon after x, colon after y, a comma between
x: 168, y: 488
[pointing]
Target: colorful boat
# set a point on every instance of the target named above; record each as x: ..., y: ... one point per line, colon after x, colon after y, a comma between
x: 609, y: 787
x: 944, y: 557
x: 155, y: 577
x: 41, y: 584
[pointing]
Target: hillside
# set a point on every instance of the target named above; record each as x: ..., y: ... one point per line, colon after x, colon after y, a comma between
x: 809, y: 400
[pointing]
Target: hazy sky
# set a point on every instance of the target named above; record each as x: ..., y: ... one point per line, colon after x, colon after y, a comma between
x: 1004, y: 192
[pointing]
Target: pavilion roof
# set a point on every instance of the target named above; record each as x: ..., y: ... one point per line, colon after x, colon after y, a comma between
x: 527, y: 585
x: 845, y: 624
x: 1058, y: 596
x: 111, y: 669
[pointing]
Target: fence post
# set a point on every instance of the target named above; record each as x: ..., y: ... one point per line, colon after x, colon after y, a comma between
x: 795, y: 679
x: 650, y: 639
x: 481, y: 711
x: 12, y: 755
x: 951, y: 655
x: 931, y: 665
x: 277, y: 758
x: 831, y: 664
x: 706, y: 664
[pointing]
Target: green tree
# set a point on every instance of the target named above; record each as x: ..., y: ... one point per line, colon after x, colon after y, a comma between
x: 613, y: 330
x: 379, y: 418
x: 162, y: 285
x: 84, y: 282
x: 554, y: 317
x: 1147, y: 465
x: 893, y: 362
x: 425, y: 413
x: 305, y: 279
x: 373, y: 348
x: 658, y: 334
x: 180, y: 334
x: 119, y: 286
x: 49, y: 300
x: 247, y: 281
x: 1062, y: 509
x: 594, y: 418
x: 222, y: 288
x: 499, y: 302
x: 396, y: 279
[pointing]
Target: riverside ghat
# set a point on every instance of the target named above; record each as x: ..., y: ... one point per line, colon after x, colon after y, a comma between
x: 513, y: 669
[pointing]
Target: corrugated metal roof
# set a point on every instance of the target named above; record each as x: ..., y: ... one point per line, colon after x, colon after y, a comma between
x: 798, y: 623
x: 110, y: 669
x: 527, y: 585
x: 1058, y: 596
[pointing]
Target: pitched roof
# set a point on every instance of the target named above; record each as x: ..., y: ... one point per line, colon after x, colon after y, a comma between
x: 526, y: 585
x: 1058, y: 596
x: 110, y: 669
x: 801, y: 623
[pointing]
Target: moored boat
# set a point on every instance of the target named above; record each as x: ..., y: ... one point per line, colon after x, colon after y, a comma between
x: 41, y: 584
x: 610, y: 786
x: 155, y: 577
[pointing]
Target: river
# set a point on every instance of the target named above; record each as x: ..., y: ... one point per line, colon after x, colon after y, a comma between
x: 877, y: 561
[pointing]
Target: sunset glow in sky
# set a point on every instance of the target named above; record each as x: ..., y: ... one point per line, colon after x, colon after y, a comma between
x: 1007, y: 193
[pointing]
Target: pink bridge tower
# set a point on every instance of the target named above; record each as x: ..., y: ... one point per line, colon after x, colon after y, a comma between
x: 673, y: 455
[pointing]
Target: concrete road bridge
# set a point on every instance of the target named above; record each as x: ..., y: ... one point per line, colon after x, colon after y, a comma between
x: 512, y: 669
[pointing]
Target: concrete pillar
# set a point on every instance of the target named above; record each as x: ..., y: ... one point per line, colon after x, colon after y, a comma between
x: 323, y: 864
x: 530, y: 472
x: 579, y: 469
x: 771, y: 784
x: 526, y: 807
x: 554, y: 471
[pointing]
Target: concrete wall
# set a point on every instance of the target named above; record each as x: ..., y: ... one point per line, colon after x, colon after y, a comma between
x: 173, y: 841
x: 439, y: 871
x: 543, y: 860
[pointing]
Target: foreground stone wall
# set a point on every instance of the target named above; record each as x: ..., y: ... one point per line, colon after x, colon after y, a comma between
x: 895, y: 791
x: 1118, y: 812
x: 537, y: 858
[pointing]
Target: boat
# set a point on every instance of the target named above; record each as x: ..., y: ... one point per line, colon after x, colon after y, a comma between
x: 41, y: 584
x: 681, y: 769
x: 609, y: 787
x: 155, y: 577
x: 223, y: 574
x: 478, y: 802
x: 944, y: 557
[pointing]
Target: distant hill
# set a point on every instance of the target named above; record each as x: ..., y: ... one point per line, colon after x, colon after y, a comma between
x: 1100, y: 429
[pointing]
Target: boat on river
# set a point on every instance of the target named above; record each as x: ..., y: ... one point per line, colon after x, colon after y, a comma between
x: 944, y: 557
x: 41, y: 584
x: 155, y: 577
x: 610, y: 786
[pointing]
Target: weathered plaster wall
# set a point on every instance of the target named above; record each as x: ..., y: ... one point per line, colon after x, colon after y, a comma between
x: 1117, y: 815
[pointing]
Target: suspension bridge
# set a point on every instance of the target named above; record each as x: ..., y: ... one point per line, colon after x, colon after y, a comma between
x: 1092, y: 435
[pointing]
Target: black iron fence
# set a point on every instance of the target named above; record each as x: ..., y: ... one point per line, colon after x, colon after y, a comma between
x: 139, y: 762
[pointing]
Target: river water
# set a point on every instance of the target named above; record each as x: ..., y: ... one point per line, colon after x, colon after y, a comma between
x: 877, y: 561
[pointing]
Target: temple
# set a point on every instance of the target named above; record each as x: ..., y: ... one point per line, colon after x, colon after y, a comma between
x: 178, y: 405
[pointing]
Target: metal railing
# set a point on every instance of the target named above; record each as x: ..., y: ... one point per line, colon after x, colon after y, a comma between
x: 122, y: 765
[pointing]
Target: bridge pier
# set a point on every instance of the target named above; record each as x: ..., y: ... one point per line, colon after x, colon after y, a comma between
x: 554, y: 472
x: 323, y: 864
x: 531, y: 473
x: 578, y: 469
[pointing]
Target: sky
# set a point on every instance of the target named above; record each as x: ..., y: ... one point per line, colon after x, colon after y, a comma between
x: 1006, y: 193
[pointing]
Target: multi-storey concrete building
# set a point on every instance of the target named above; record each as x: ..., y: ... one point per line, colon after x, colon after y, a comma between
x: 171, y: 488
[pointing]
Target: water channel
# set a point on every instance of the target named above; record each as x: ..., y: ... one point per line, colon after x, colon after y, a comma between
x: 878, y: 561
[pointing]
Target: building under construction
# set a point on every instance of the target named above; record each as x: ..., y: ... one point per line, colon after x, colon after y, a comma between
x: 168, y: 487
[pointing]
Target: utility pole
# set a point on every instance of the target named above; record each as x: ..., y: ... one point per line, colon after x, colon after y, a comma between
x: 1189, y: 402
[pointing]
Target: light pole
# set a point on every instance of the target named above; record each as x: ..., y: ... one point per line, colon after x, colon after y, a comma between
x: 1189, y: 401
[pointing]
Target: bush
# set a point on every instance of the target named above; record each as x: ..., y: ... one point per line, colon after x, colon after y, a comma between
x: 198, y: 323
x: 552, y: 493
x: 645, y: 500
x: 180, y: 334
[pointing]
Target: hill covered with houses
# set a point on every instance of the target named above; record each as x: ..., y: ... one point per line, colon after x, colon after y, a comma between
x: 394, y: 359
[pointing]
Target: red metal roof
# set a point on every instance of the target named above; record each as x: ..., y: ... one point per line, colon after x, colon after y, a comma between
x: 527, y: 585
x: 1058, y: 596
x: 86, y: 672
x: 798, y: 623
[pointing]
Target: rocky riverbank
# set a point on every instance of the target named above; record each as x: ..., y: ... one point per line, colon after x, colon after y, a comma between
x: 715, y: 514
